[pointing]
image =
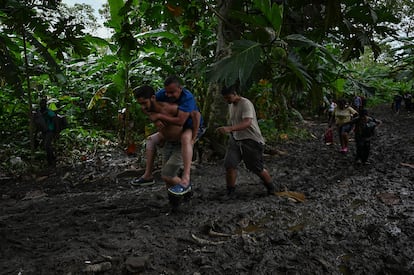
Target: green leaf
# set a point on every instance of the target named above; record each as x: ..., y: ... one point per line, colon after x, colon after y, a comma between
x: 309, y: 43
x: 299, y: 70
x: 255, y: 20
x: 276, y: 17
x: 69, y: 98
x: 128, y: 46
x: 109, y: 59
x: 96, y: 40
x: 61, y: 78
x: 159, y: 33
x: 115, y: 7
x: 239, y: 66
x: 339, y: 85
x: 52, y: 106
x: 151, y: 49
x: 97, y: 96
x: 160, y: 63
x: 119, y: 79
x: 185, y: 30
x: 265, y: 7
x: 374, y: 16
x: 272, y: 12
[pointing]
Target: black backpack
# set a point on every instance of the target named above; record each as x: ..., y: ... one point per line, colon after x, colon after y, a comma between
x: 62, y: 123
x: 40, y: 123
x: 368, y: 129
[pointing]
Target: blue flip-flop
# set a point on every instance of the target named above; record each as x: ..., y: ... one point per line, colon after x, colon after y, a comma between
x: 142, y: 182
x: 179, y: 190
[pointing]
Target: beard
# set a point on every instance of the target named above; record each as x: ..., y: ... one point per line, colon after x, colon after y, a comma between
x: 151, y: 107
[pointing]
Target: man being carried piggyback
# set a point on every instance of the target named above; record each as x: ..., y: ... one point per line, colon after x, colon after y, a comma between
x: 186, y: 111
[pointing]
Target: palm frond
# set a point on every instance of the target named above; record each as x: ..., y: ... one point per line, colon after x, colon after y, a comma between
x: 245, y: 54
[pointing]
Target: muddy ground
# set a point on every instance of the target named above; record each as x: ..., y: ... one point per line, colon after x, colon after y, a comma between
x: 87, y: 219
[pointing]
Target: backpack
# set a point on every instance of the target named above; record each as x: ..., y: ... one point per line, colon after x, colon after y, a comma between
x: 62, y: 123
x: 368, y: 129
x: 39, y: 121
x: 328, y: 137
x: 363, y: 101
x: 41, y: 125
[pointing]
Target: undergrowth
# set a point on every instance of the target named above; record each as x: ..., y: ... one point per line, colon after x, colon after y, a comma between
x: 273, y: 135
x: 72, y: 145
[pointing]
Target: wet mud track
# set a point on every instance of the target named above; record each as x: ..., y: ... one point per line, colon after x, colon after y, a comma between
x: 355, y: 220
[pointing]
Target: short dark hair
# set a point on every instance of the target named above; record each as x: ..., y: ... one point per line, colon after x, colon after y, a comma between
x: 341, y: 101
x: 229, y: 90
x: 43, y: 103
x: 145, y: 91
x: 172, y: 79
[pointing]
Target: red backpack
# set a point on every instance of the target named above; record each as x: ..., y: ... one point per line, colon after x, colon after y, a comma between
x: 328, y: 137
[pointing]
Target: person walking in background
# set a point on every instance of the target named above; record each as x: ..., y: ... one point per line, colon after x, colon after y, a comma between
x: 46, y: 121
x: 396, y: 104
x: 357, y: 103
x: 407, y: 101
x: 342, y: 116
x: 365, y: 127
x: 331, y: 109
x: 245, y: 140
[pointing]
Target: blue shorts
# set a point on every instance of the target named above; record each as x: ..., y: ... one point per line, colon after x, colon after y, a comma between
x: 345, y: 128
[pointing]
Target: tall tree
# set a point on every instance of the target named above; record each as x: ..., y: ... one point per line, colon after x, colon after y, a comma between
x: 215, y: 108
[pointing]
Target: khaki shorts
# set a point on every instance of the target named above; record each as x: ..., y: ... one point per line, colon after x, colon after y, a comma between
x: 172, y: 159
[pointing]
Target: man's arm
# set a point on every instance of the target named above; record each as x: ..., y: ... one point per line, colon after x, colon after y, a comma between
x: 246, y: 122
x: 179, y: 120
x: 353, y: 112
x: 377, y: 121
x: 196, y: 118
x: 168, y: 109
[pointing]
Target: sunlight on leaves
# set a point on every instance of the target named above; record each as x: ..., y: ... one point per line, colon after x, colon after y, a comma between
x: 97, y: 96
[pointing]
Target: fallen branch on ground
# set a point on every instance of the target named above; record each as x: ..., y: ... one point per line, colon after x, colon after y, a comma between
x: 218, y: 234
x: 205, y: 242
x: 298, y: 197
x: 407, y: 165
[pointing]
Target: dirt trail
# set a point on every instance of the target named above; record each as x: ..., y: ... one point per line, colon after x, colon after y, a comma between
x: 356, y: 219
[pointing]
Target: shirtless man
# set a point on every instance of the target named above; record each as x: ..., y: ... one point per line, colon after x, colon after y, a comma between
x: 168, y: 132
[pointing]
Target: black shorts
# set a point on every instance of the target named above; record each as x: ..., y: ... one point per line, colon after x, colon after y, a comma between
x: 250, y: 151
x: 346, y: 128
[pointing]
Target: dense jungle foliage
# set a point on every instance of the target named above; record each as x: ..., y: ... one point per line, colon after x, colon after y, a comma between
x: 287, y: 56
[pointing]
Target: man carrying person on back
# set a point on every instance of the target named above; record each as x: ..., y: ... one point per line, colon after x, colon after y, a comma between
x: 168, y: 133
x: 187, y: 107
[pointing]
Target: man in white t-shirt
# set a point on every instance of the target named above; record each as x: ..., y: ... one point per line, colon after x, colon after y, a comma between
x: 245, y: 142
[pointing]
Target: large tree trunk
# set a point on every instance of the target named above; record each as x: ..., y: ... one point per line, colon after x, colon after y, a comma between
x: 215, y: 108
